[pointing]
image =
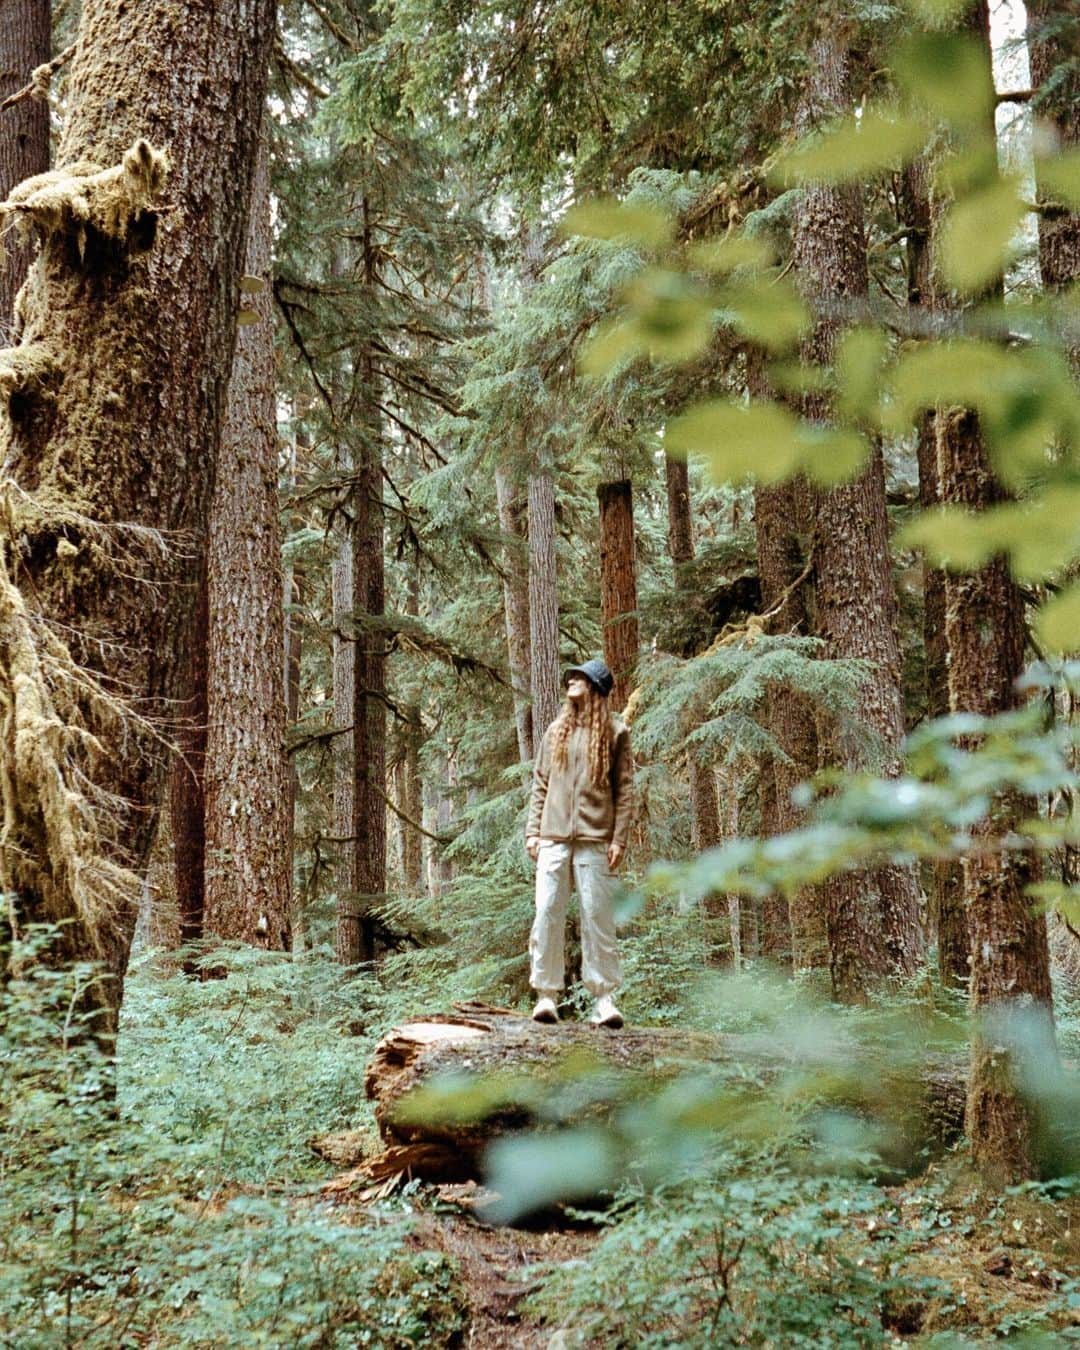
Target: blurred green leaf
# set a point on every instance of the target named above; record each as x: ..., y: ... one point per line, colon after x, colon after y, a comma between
x: 766, y: 311
x: 606, y: 218
x: 1059, y: 177
x: 612, y: 343
x: 963, y: 373
x: 852, y: 149
x: 544, y: 1169
x: 1058, y: 621
x: 949, y: 75
x: 760, y: 439
x: 674, y: 319
x: 734, y: 250
x: 831, y: 455
x: 860, y: 360
x: 977, y: 233
x: 953, y: 537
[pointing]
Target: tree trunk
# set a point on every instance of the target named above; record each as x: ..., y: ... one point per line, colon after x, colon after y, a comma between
x: 356, y: 931
x: 618, y: 586
x: 186, y: 802
x: 680, y: 517
x: 513, y: 523
x: 1010, y: 964
x: 112, y: 442
x: 1059, y: 234
x: 780, y: 518
x: 343, y: 657
x: 874, y: 918
x: 543, y: 604
x: 945, y: 884
x: 704, y: 806
x: 412, y: 786
x: 246, y: 776
x: 25, y: 42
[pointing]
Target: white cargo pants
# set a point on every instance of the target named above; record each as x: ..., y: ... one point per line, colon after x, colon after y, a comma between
x: 600, y: 969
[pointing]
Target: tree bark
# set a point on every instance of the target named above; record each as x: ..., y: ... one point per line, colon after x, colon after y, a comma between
x: 514, y: 525
x: 945, y: 899
x: 618, y: 586
x: 874, y: 919
x: 704, y: 805
x: 1010, y: 964
x: 343, y: 657
x: 115, y: 399
x: 794, y: 929
x: 1059, y: 234
x: 25, y: 43
x: 543, y: 604
x: 186, y: 800
x: 246, y: 785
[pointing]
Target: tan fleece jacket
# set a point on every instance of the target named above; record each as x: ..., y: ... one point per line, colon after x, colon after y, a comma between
x: 566, y: 805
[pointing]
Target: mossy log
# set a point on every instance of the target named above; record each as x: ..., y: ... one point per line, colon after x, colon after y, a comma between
x: 925, y: 1109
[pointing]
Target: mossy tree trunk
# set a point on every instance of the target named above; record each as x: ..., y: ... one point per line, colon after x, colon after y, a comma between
x: 246, y: 785
x: 115, y: 401
x: 25, y: 43
x: 543, y: 603
x: 874, y: 918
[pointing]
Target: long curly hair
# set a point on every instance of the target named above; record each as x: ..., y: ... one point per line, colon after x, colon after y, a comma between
x: 595, y: 716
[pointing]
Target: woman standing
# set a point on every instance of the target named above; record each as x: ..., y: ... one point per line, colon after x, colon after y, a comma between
x: 579, y: 818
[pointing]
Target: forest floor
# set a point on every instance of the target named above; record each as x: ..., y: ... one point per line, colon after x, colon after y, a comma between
x: 1004, y: 1266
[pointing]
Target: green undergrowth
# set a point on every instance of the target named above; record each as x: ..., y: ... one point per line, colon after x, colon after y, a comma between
x: 177, y: 1204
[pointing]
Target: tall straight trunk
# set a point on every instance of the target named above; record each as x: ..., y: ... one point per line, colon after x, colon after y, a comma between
x: 125, y: 304
x: 514, y: 525
x: 186, y: 803
x: 246, y: 780
x: 411, y: 795
x: 343, y: 657
x: 874, y: 918
x: 1010, y: 964
x: 543, y: 604
x: 356, y: 929
x: 1059, y: 233
x: 618, y: 586
x: 25, y: 42
x: 781, y: 517
x: 704, y: 806
x: 945, y: 896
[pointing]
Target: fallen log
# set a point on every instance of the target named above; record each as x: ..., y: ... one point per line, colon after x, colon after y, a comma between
x: 445, y: 1086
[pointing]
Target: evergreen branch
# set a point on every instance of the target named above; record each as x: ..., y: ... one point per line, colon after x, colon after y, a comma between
x: 284, y: 306
x: 300, y: 76
x: 334, y: 27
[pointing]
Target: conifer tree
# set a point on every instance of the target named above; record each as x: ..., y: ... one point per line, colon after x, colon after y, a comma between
x: 25, y: 45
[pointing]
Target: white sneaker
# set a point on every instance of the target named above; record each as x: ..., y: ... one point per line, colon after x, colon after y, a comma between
x: 545, y: 1010
x: 606, y: 1013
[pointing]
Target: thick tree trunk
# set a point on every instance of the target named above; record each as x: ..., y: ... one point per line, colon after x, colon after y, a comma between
x: 1010, y: 964
x: 246, y: 777
x: 945, y: 897
x: 680, y: 517
x: 25, y: 42
x: 926, y: 1109
x: 412, y: 786
x: 514, y: 525
x: 543, y: 604
x: 874, y: 919
x: 115, y: 400
x: 618, y: 586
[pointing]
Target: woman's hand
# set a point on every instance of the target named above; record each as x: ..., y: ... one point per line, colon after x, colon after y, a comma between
x: 614, y: 856
x: 532, y: 847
